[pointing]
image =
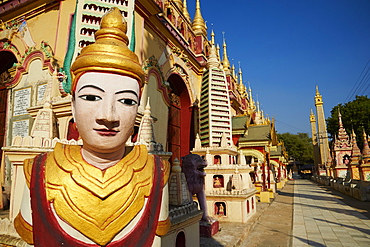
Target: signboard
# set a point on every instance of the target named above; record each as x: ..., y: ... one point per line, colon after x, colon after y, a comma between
x: 41, y: 92
x: 21, y: 128
x: 22, y: 101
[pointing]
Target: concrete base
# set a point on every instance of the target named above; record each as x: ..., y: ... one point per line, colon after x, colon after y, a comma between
x: 272, y: 194
x: 207, y: 229
x: 281, y: 184
x: 265, y: 196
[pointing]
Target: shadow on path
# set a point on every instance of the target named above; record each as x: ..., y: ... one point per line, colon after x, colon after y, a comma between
x: 360, y: 206
x: 337, y: 197
x: 365, y: 231
x: 310, y: 242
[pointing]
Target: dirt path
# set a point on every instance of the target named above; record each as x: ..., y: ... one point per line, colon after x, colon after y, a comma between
x: 274, y: 227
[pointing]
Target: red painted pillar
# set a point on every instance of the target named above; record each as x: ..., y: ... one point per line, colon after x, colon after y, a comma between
x: 268, y: 169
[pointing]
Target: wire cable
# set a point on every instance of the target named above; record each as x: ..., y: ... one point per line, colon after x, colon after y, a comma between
x: 358, y: 82
x: 303, y: 131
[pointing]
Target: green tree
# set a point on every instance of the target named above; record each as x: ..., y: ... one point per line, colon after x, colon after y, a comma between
x: 299, y: 146
x: 355, y: 115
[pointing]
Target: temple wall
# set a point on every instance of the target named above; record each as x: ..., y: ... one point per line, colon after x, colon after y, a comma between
x: 191, y: 233
x: 159, y: 110
x: 27, y: 93
x: 235, y: 208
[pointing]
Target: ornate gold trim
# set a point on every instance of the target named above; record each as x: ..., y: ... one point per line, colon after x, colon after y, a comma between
x: 98, y: 203
x: 163, y: 227
x: 27, y: 170
x: 24, y: 229
x: 166, y: 167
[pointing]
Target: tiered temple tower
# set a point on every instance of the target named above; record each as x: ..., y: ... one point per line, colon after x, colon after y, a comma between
x: 316, y: 149
x: 321, y: 134
x: 342, y: 151
x: 228, y: 186
x: 215, y: 114
x: 365, y: 163
x: 355, y: 158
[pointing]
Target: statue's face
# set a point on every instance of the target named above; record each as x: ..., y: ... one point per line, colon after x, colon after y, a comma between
x: 104, y: 108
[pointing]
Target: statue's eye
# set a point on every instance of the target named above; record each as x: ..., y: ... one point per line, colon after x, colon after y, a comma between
x: 90, y: 97
x: 128, y: 101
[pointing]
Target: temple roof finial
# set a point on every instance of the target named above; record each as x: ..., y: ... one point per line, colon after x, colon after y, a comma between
x: 340, y: 119
x: 218, y: 51
x: 213, y: 61
x: 185, y: 11
x: 199, y: 26
x: 225, y: 60
x: 240, y: 76
x: 212, y: 38
x: 365, y: 149
x: 233, y: 71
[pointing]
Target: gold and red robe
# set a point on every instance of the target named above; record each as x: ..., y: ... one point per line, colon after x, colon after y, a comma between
x: 118, y: 206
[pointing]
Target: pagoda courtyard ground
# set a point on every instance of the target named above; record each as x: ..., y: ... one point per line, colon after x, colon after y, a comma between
x: 302, y: 214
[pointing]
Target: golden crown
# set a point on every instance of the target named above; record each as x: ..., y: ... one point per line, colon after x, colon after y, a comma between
x: 110, y: 52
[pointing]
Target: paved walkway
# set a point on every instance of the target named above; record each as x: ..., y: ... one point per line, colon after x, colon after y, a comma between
x: 320, y: 219
x: 274, y: 226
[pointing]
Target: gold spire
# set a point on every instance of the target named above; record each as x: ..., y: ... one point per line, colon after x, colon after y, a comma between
x: 242, y: 88
x: 199, y: 26
x: 312, y: 117
x: 240, y: 76
x: 318, y: 97
x: 252, y: 106
x: 213, y: 61
x: 212, y: 38
x: 110, y: 52
x: 225, y: 60
x: 185, y: 11
x: 233, y: 71
x: 218, y: 52
x: 365, y: 149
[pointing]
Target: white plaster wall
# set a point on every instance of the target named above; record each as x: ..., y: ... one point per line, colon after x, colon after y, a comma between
x: 159, y: 110
x: 191, y: 235
x: 236, y: 209
x: 16, y: 195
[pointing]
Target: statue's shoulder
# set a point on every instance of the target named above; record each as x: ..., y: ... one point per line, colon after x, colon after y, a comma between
x: 28, y: 166
x: 59, y: 150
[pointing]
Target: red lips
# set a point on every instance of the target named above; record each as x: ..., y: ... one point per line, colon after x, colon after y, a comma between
x: 106, y: 132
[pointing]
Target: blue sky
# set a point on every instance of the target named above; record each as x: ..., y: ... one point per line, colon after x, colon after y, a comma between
x: 287, y: 47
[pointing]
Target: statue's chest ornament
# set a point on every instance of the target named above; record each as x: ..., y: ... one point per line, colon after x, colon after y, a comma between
x: 99, y: 204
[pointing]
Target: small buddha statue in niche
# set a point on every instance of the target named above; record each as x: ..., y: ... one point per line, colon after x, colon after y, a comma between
x: 103, y: 193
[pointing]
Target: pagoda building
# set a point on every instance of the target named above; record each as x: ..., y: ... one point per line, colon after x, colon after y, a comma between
x: 355, y: 159
x: 319, y: 169
x: 229, y: 190
x: 321, y: 134
x: 365, y: 163
x: 342, y: 149
x: 256, y: 145
x: 215, y: 114
x: 279, y: 160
